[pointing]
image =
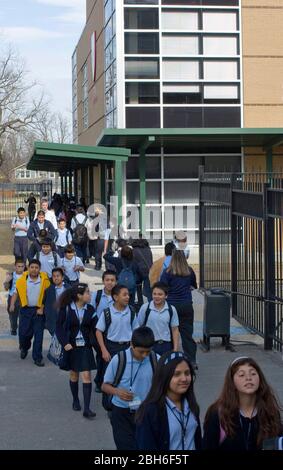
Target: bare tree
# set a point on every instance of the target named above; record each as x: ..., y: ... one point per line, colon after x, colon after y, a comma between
x: 53, y: 127
x: 19, y: 110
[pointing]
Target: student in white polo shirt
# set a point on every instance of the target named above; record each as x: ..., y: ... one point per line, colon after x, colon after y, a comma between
x: 63, y: 237
x: 162, y: 318
x: 72, y: 265
x: 48, y: 259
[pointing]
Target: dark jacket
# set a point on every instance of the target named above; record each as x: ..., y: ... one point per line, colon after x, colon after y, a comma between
x: 153, y: 432
x: 50, y: 309
x: 34, y: 230
x: 142, y: 256
x: 119, y: 265
x: 211, y: 437
x: 67, y: 329
x: 180, y: 287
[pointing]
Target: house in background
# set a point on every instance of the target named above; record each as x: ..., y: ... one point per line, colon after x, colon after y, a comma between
x: 20, y: 174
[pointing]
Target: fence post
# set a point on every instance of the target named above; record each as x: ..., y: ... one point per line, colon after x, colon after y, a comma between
x: 201, y: 228
x: 234, y: 250
x: 269, y: 272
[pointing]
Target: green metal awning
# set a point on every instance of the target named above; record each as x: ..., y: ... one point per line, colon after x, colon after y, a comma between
x: 65, y: 157
x: 193, y: 140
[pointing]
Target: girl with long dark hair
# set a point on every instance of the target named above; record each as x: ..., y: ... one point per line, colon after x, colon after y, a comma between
x: 246, y: 412
x: 75, y: 324
x: 168, y: 419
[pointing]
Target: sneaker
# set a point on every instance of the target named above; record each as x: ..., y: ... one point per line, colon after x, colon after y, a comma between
x: 89, y: 414
x: 39, y: 363
x: 24, y: 353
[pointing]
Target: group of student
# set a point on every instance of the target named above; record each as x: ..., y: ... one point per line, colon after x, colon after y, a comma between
x: 147, y: 382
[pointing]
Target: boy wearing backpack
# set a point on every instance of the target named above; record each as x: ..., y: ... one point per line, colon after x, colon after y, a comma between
x: 115, y: 326
x: 127, y: 382
x: 20, y: 225
x: 48, y: 259
x: 72, y: 266
x: 102, y: 300
x: 162, y: 318
x: 63, y: 237
x: 10, y: 285
x: 79, y: 233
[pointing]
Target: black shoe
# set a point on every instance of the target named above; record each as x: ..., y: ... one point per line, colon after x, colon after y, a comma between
x: 39, y: 363
x: 76, y: 406
x: 97, y: 268
x: 87, y: 261
x: 23, y: 354
x: 14, y: 333
x: 89, y: 414
x: 98, y: 389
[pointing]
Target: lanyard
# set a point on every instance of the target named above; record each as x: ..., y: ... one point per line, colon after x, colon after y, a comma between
x: 246, y: 435
x: 79, y: 318
x: 184, y: 421
x: 132, y: 380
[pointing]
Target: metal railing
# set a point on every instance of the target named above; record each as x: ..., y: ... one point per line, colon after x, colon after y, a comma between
x: 14, y: 195
x: 241, y: 246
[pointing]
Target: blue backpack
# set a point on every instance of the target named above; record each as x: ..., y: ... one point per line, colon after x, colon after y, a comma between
x: 127, y: 278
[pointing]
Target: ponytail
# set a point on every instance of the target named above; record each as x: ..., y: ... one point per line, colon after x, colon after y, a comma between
x: 71, y: 294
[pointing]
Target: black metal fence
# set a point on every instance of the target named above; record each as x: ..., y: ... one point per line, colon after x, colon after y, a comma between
x: 241, y: 230
x: 14, y: 195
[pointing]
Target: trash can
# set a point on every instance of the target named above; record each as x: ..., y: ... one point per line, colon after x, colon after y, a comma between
x: 216, y: 316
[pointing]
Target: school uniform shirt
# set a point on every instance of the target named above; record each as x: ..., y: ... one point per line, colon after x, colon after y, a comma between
x: 189, y: 424
x: 69, y: 266
x: 33, y: 291
x: 59, y: 290
x: 23, y: 223
x: 63, y: 237
x: 105, y: 302
x: 120, y: 328
x: 137, y: 376
x: 159, y: 320
x: 153, y: 432
x: 165, y: 265
x: 47, y: 262
x: 14, y: 280
x: 80, y: 315
x: 51, y: 217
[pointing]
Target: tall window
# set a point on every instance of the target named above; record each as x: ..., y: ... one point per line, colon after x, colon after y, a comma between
x: 110, y: 63
x: 75, y: 97
x: 85, y: 95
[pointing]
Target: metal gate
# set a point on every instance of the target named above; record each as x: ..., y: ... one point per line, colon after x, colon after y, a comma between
x: 241, y: 229
x: 14, y: 195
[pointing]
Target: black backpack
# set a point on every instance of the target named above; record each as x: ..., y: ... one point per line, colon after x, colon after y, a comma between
x: 147, y: 313
x: 98, y: 297
x: 80, y: 232
x: 107, y: 317
x: 107, y: 399
x: 92, y: 336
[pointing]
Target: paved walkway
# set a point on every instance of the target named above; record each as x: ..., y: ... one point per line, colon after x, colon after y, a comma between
x: 35, y: 404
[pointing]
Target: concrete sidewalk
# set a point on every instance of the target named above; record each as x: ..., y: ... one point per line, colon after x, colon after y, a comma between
x: 35, y: 404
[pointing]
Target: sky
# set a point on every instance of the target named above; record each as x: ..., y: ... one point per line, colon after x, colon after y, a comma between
x: 45, y: 33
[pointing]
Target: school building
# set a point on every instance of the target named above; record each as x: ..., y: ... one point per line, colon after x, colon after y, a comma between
x: 179, y: 83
